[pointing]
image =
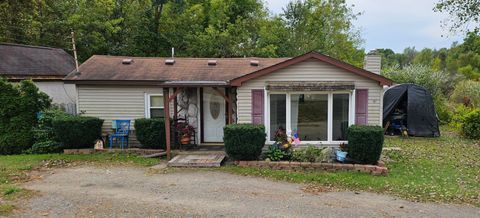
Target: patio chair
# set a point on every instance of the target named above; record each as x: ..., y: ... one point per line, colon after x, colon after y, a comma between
x: 121, y: 128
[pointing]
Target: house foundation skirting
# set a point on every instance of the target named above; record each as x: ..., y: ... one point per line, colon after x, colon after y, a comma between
x: 330, y: 167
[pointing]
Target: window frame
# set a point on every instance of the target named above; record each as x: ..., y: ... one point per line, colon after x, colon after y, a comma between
x: 148, y: 105
x: 351, y: 113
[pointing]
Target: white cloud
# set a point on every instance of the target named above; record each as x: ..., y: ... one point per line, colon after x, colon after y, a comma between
x: 395, y: 24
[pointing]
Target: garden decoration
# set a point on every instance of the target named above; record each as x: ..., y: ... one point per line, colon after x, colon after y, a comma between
x: 296, y: 139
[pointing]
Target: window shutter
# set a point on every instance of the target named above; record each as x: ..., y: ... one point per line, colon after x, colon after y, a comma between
x: 257, y: 106
x: 361, y: 106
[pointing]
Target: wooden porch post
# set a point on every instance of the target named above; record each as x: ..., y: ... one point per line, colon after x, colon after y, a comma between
x: 230, y: 106
x: 166, y: 106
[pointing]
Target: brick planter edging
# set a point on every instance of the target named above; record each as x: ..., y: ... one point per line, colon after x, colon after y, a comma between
x: 286, y: 165
x: 136, y: 151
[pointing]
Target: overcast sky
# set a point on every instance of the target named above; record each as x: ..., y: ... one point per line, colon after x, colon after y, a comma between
x: 395, y: 24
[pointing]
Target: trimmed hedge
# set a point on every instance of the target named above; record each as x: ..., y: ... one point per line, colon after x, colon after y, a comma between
x: 151, y: 132
x: 365, y: 143
x: 46, y: 147
x: 75, y: 132
x: 471, y: 125
x: 244, y: 141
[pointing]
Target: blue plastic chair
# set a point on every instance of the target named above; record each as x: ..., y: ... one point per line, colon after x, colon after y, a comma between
x: 121, y: 129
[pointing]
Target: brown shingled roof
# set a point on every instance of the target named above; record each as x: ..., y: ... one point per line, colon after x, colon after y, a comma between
x: 110, y: 68
x: 101, y: 69
x: 18, y: 61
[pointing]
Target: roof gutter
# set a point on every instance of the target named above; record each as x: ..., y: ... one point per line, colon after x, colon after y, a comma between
x: 160, y: 83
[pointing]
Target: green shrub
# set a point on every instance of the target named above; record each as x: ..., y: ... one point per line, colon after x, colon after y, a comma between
x: 443, y: 109
x: 15, y: 142
x: 46, y: 147
x: 309, y: 154
x: 365, y: 143
x: 151, y: 132
x: 244, y: 141
x: 19, y: 104
x: 274, y: 154
x: 467, y: 90
x: 75, y: 132
x: 458, y: 116
x: 471, y: 125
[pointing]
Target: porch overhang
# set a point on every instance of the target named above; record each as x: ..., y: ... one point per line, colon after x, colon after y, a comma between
x: 180, y: 83
x: 310, y: 86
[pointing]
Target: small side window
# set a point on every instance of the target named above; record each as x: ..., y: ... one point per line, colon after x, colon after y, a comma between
x: 155, y: 106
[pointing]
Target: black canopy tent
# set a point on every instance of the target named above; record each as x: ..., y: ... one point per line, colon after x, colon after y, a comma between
x: 416, y: 104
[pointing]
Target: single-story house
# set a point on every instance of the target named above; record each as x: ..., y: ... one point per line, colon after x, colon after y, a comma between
x: 45, y: 66
x: 313, y: 95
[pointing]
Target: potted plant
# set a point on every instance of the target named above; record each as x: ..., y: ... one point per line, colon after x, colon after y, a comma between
x: 281, y: 149
x: 341, y: 153
x: 184, y: 131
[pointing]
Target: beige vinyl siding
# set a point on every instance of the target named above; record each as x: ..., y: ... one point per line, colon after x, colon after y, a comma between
x: 311, y: 70
x: 114, y: 103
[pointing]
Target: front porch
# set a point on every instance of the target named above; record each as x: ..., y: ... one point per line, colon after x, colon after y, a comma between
x: 207, y: 107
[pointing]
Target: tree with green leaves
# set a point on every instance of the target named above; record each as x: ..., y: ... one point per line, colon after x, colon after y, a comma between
x: 197, y: 28
x: 324, y: 26
x: 464, y: 14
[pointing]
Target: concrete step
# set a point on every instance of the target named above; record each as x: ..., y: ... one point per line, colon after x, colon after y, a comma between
x: 197, y: 160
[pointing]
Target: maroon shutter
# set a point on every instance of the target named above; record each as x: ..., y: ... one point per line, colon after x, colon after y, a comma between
x: 361, y: 106
x: 257, y: 106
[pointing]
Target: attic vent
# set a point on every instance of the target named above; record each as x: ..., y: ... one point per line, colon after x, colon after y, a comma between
x: 170, y: 61
x: 254, y: 63
x: 127, y: 61
x: 212, y: 62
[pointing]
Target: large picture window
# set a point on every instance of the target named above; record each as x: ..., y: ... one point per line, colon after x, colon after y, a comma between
x: 155, y: 106
x: 314, y: 116
x: 309, y: 114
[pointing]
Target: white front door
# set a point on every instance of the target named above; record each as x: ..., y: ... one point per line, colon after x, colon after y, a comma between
x: 213, y: 115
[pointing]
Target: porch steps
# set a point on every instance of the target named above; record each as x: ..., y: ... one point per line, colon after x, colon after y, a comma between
x: 197, y: 160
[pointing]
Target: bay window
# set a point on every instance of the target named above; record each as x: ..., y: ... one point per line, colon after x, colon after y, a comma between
x: 317, y: 117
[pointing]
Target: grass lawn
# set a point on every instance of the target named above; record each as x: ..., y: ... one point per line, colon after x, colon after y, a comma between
x: 14, y: 169
x: 444, y: 169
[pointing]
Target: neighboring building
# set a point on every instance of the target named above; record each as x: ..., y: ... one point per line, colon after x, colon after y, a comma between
x: 314, y: 95
x: 45, y: 66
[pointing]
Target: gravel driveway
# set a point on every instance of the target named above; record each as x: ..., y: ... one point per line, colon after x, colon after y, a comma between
x: 88, y: 191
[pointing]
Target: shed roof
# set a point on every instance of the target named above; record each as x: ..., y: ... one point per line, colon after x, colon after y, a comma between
x: 18, y: 61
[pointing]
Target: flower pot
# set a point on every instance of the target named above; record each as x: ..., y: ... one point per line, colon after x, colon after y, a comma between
x: 185, y: 140
x: 341, y: 155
